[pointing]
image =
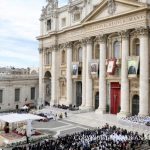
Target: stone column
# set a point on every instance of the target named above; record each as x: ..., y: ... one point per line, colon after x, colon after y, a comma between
x: 102, y: 75
x: 54, y: 76
x: 125, y: 103
x: 83, y: 74
x: 89, y: 90
x: 69, y: 73
x: 144, y: 73
x: 43, y: 80
x: 40, y: 77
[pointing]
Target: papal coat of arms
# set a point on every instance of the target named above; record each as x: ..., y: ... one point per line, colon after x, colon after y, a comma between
x: 111, y: 7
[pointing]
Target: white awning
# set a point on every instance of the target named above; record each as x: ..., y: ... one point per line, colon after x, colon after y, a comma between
x: 11, y: 118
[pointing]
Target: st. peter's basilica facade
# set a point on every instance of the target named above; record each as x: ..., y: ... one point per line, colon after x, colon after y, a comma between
x: 95, y: 54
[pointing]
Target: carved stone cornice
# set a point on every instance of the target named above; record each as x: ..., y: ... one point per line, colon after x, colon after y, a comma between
x: 101, y: 38
x: 69, y: 44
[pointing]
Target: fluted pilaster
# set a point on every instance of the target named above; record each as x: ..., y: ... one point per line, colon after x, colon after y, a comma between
x: 69, y: 74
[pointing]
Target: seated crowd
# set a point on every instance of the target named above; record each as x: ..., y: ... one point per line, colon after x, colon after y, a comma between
x: 70, y: 107
x: 105, y: 138
x: 138, y: 119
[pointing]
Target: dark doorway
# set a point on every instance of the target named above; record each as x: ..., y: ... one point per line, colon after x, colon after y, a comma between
x: 78, y: 93
x: 47, y: 82
x: 96, y: 100
x: 135, y: 105
x: 17, y: 107
x: 115, y: 97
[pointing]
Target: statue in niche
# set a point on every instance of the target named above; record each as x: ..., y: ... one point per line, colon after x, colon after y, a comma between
x: 47, y: 90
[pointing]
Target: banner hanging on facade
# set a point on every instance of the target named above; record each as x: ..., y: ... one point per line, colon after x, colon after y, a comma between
x: 94, y: 69
x: 75, y: 68
x: 111, y: 66
x: 133, y: 66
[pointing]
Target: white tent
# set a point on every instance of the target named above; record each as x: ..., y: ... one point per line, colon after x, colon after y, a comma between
x: 11, y: 118
x: 25, y: 107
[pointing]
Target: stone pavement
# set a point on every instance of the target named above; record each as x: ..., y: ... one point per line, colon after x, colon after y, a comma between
x: 93, y: 119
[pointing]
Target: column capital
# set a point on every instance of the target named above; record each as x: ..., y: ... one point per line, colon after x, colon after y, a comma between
x: 140, y: 31
x: 83, y: 42
x: 89, y: 40
x: 101, y: 38
x: 54, y: 47
x: 125, y: 34
x: 68, y: 44
x: 143, y: 31
x: 61, y: 46
x: 40, y: 50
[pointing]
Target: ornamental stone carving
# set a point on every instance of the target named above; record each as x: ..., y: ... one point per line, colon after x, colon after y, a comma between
x: 83, y: 42
x: 89, y: 40
x: 101, y: 38
x: 68, y: 45
x: 54, y: 47
x: 125, y: 34
x: 111, y: 7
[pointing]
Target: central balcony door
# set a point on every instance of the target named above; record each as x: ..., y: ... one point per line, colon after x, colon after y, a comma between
x: 115, y: 97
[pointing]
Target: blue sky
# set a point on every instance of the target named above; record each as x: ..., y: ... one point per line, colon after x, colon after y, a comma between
x: 19, y: 25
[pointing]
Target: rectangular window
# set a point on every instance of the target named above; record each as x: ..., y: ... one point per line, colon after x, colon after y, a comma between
x: 77, y: 17
x: 32, y: 93
x: 49, y: 24
x: 1, y: 96
x: 17, y: 95
x: 63, y: 22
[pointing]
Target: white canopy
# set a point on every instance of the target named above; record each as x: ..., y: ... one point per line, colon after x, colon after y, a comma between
x: 11, y: 118
x: 24, y: 107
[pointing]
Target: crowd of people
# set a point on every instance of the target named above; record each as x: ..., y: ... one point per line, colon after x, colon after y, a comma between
x: 105, y: 138
x: 70, y: 107
x: 144, y: 120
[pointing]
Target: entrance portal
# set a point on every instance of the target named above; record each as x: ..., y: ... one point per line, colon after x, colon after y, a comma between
x: 78, y: 93
x: 115, y: 97
x: 96, y: 100
x: 135, y: 105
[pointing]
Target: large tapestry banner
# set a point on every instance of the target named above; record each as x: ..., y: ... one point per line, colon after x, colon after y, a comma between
x: 75, y: 68
x: 111, y: 66
x: 94, y: 69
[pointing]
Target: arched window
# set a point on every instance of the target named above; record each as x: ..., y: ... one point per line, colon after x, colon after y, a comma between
x: 97, y: 51
x: 116, y: 49
x: 136, y: 47
x: 80, y: 54
x: 63, y: 57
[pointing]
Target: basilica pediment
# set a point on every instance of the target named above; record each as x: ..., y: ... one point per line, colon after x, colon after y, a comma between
x: 111, y: 8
